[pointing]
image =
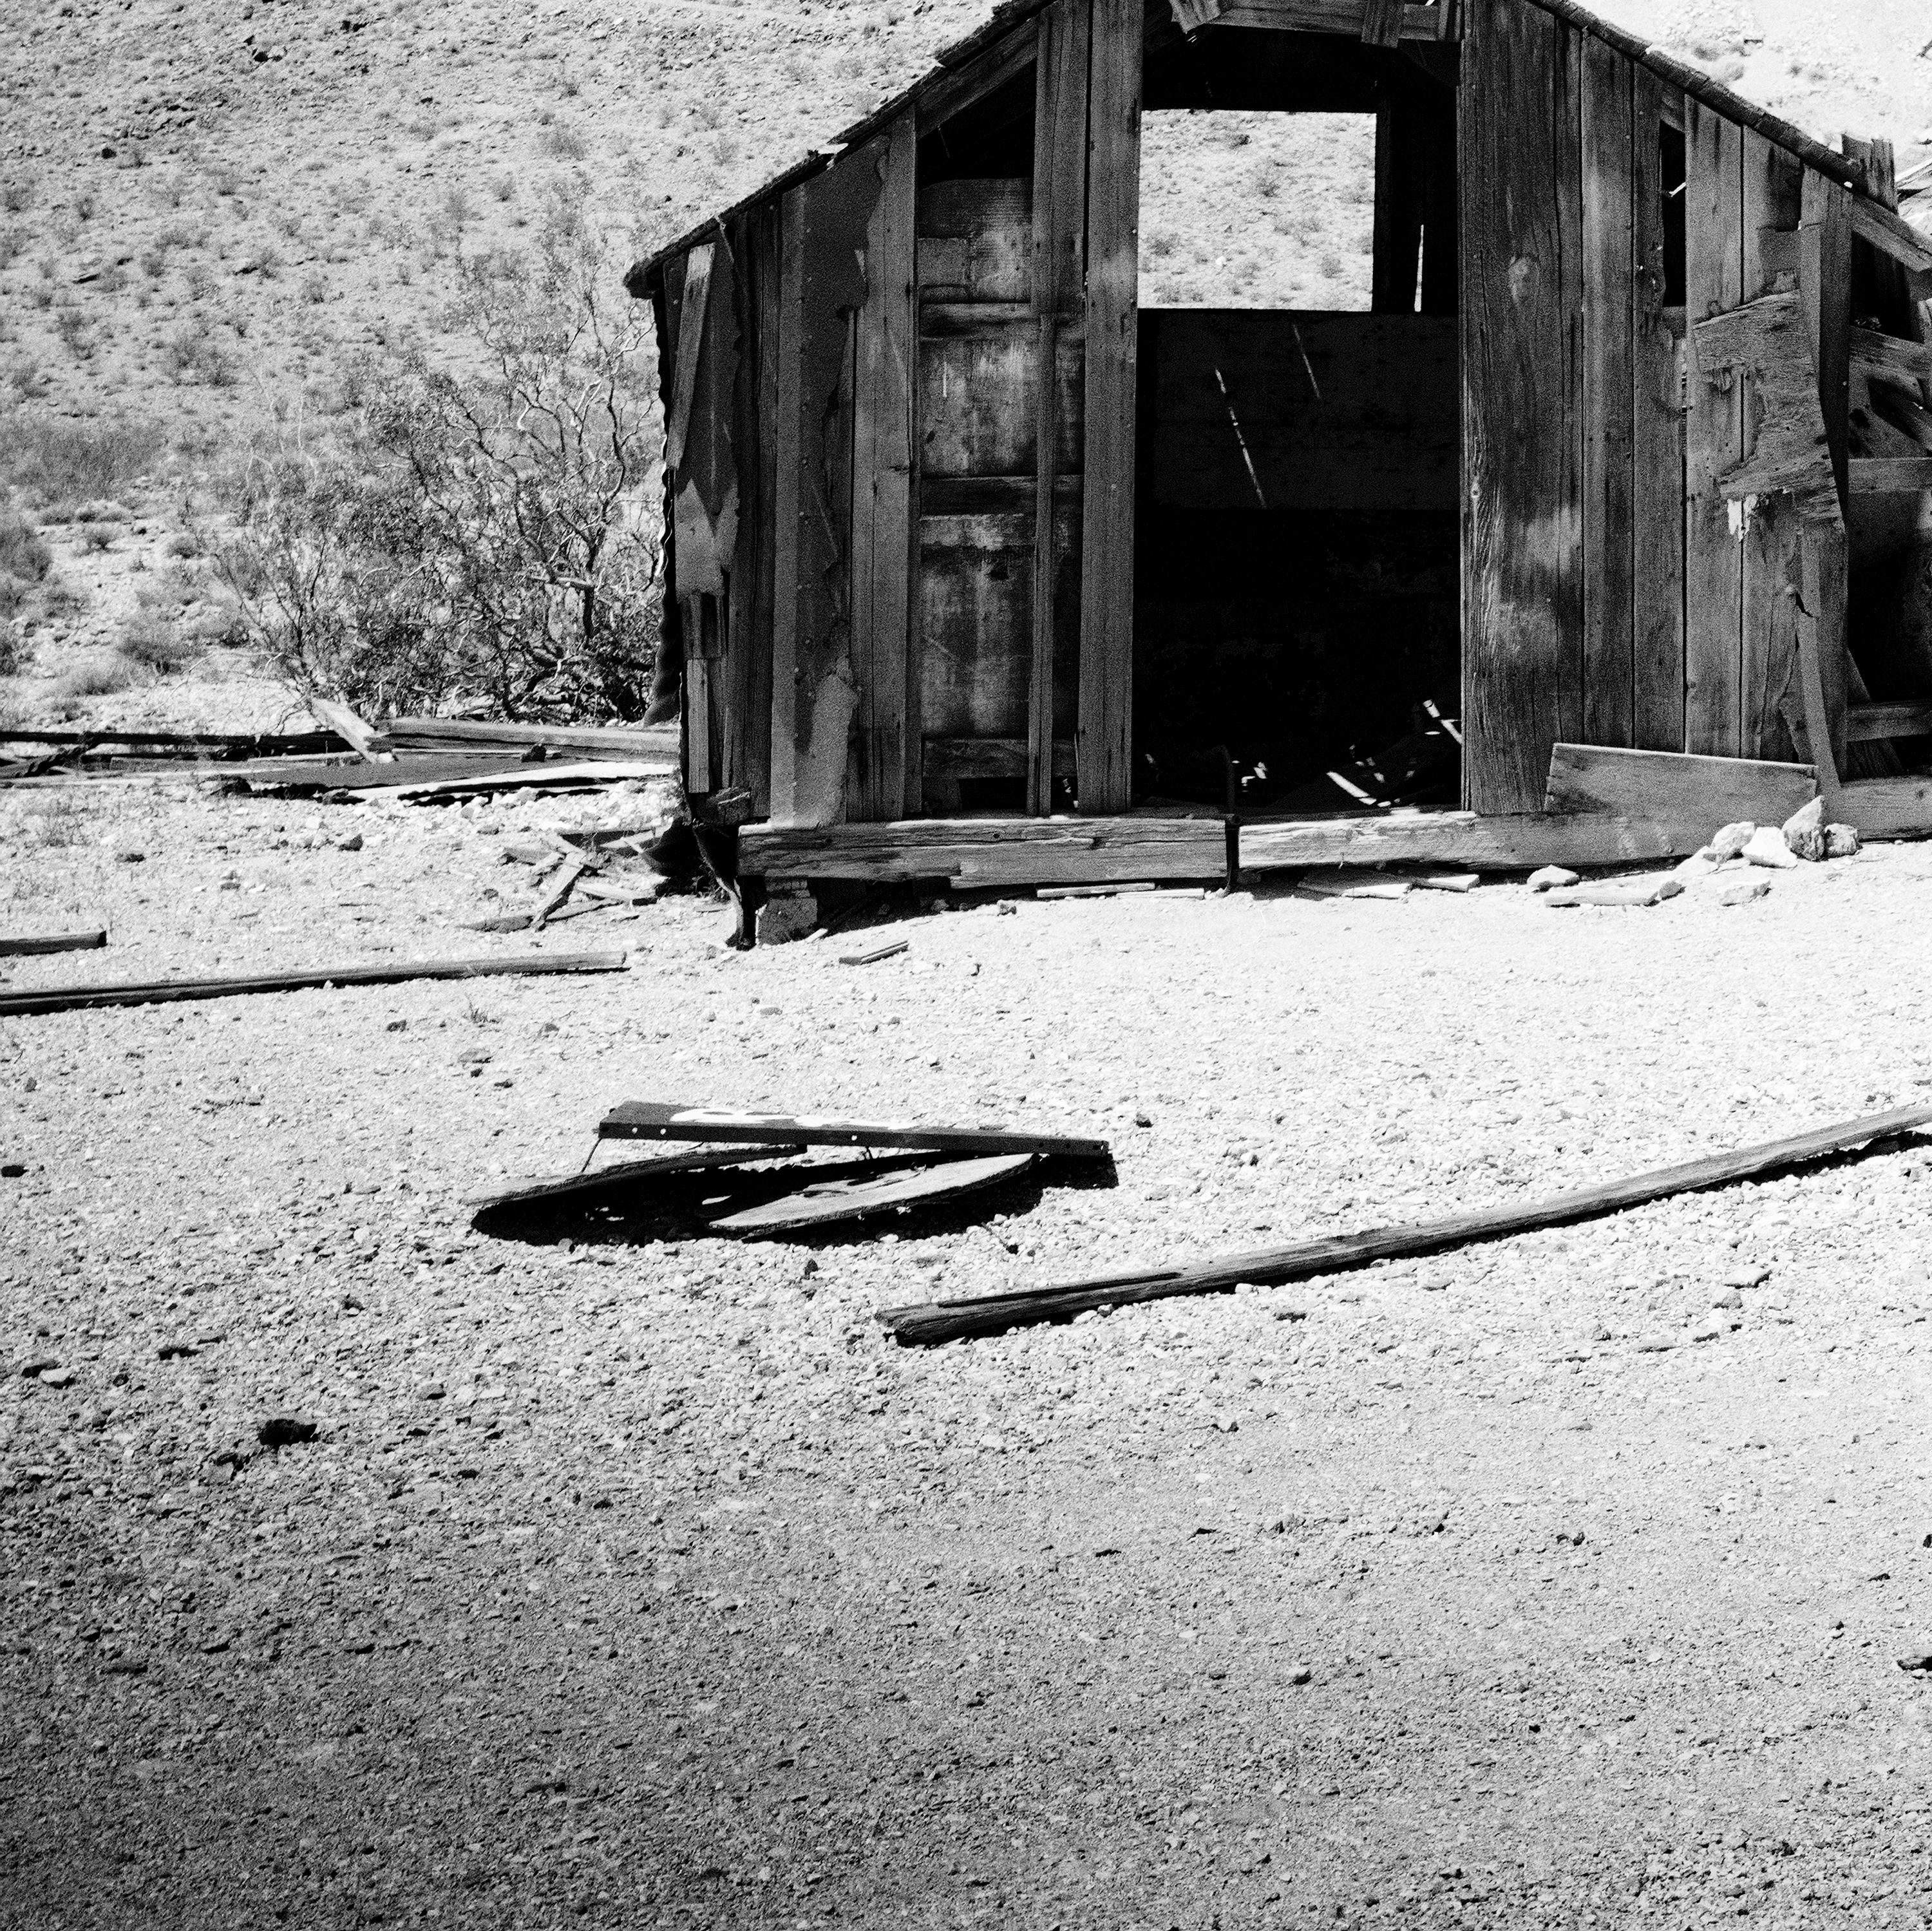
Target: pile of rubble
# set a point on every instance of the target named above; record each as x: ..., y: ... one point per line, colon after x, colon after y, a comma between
x: 1731, y: 868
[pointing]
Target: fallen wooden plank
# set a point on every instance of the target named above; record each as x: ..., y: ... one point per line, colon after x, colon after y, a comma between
x: 161, y: 992
x: 53, y: 942
x: 994, y: 1314
x: 238, y: 744
x: 650, y: 1120
x: 622, y: 1176
x: 524, y: 777
x: 1106, y: 890
x: 1352, y: 885
x: 643, y: 743
x: 854, y: 1198
x: 1892, y: 235
x: 1891, y: 355
x: 878, y: 953
x: 345, y: 723
x: 356, y: 773
x: 1886, y: 808
x: 1623, y: 892
x: 1890, y: 476
x: 1675, y: 786
x: 560, y: 882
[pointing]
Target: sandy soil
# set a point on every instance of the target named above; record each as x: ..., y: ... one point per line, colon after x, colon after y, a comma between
x: 634, y: 1578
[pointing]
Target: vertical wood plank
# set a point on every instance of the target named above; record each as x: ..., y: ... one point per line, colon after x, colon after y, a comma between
x: 1521, y: 182
x: 1103, y: 738
x: 1824, y: 288
x: 1381, y: 23
x: 1397, y: 243
x: 1713, y: 439
x: 787, y: 463
x: 1609, y: 296
x: 1059, y: 222
x: 1657, y: 441
x: 1824, y: 283
x: 1772, y: 561
x: 882, y: 535
x: 748, y: 751
x: 810, y: 782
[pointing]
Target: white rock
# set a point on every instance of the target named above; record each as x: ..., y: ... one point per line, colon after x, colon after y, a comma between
x: 1804, y: 831
x: 1841, y: 841
x: 1743, y: 890
x: 1551, y: 877
x: 1731, y: 839
x: 1699, y: 865
x: 1766, y: 847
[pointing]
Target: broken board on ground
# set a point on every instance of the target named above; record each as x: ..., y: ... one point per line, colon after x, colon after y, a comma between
x: 858, y: 1195
x: 621, y: 1177
x: 649, y: 1120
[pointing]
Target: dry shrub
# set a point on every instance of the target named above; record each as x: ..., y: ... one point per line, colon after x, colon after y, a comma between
x: 151, y: 641
x: 56, y: 462
x: 93, y: 677
x: 489, y: 537
x: 22, y: 554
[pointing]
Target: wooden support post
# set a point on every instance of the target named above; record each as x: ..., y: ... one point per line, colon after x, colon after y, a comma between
x: 1103, y: 743
x: 1381, y: 23
x: 1059, y: 217
x: 1521, y: 176
x: 1400, y: 188
x: 1713, y: 439
x: 1609, y: 315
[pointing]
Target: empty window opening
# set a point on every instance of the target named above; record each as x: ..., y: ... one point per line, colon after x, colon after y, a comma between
x: 1257, y: 210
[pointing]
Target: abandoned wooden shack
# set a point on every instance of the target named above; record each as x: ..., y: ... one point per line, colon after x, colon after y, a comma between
x: 983, y: 571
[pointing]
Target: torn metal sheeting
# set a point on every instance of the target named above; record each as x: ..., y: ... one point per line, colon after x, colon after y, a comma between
x: 825, y: 1201
x: 622, y: 1177
x: 650, y: 1120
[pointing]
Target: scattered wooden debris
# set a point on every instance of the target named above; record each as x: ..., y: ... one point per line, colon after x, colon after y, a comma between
x: 571, y: 870
x: 53, y: 942
x: 74, y: 999
x: 878, y: 953
x: 521, y: 777
x: 624, y: 1176
x: 649, y: 1120
x: 993, y: 1314
x: 859, y: 1195
x: 1352, y: 885
x: 354, y: 775
x: 190, y: 744
x: 656, y: 744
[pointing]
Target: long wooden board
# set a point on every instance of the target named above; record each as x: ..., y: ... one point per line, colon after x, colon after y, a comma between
x: 938, y: 1322
x: 859, y: 1196
x: 621, y: 741
x: 622, y: 1176
x: 653, y: 1120
x: 1675, y: 786
x: 167, y: 991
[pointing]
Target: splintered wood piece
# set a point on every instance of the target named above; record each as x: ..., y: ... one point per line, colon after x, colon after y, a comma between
x: 1445, y: 881
x: 853, y: 1199
x: 166, y: 991
x: 623, y: 1176
x: 53, y: 942
x: 878, y: 953
x: 1345, y: 884
x: 1096, y: 891
x: 938, y: 1321
x: 1625, y: 891
x: 650, y: 1120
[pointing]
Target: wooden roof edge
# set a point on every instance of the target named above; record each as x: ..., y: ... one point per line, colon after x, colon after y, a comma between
x: 640, y: 278
x: 1714, y: 93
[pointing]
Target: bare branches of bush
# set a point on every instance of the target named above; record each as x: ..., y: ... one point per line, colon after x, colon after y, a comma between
x: 483, y: 534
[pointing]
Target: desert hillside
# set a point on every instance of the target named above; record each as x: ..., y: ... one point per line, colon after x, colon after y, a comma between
x: 212, y: 220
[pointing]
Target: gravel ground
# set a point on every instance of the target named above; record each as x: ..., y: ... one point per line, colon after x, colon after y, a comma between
x: 635, y: 1577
